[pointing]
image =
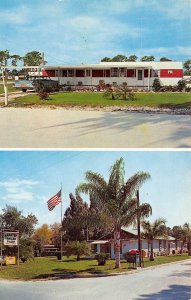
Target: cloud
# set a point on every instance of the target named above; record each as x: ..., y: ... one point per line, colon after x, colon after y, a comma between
x: 174, y: 9
x: 165, y: 51
x: 17, y: 190
x: 15, y: 16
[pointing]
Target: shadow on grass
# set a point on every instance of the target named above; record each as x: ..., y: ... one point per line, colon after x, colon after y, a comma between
x: 175, y: 291
x: 67, y: 273
x: 176, y: 106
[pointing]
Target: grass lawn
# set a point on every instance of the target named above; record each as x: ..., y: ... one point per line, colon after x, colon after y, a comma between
x: 173, y: 100
x: 45, y: 267
x: 11, y: 88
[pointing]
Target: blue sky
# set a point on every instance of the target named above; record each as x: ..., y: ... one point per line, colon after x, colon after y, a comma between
x: 29, y: 178
x: 84, y: 31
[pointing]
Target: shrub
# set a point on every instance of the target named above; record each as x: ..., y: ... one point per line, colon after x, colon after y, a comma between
x: 43, y: 95
x: 156, y: 85
x: 181, y: 85
x: 77, y: 248
x: 101, y: 258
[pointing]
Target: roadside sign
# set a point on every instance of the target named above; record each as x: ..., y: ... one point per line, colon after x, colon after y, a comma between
x: 10, y: 238
x: 10, y: 260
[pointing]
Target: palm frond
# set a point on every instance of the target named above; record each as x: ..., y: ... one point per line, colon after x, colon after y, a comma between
x: 116, y: 179
x: 133, y: 184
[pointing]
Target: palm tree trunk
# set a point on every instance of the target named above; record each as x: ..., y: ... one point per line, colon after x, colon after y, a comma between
x: 117, y: 248
x: 152, y: 255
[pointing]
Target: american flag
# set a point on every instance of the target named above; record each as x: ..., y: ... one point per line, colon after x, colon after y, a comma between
x: 55, y: 200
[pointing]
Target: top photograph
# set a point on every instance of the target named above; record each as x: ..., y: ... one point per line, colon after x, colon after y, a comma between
x: 88, y: 74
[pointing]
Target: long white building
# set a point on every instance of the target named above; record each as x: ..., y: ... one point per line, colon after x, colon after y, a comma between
x: 138, y: 75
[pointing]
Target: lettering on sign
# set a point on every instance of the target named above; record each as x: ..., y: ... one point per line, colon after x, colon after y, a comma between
x: 10, y: 239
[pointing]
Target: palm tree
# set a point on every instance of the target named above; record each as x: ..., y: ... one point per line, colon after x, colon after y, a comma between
x: 115, y: 198
x: 119, y: 92
x: 152, y: 231
x: 187, y: 235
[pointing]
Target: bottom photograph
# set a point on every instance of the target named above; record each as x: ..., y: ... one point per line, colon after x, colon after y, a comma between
x: 72, y: 221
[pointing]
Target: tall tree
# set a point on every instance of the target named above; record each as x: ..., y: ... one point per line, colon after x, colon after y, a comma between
x: 15, y: 58
x: 12, y: 218
x: 56, y: 234
x: 187, y: 67
x: 119, y: 58
x: 152, y: 231
x: 187, y: 236
x: 132, y: 58
x: 75, y: 218
x: 165, y: 59
x: 178, y: 233
x: 4, y: 57
x: 115, y: 198
x: 148, y: 58
x: 106, y: 59
x: 42, y: 236
x: 33, y: 58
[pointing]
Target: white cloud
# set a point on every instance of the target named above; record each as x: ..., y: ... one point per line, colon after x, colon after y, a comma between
x: 18, y: 196
x: 17, y: 190
x: 165, y: 51
x: 173, y: 9
x: 17, y: 16
x: 15, y: 183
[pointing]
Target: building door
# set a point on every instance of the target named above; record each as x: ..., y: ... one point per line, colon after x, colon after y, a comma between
x: 140, y: 78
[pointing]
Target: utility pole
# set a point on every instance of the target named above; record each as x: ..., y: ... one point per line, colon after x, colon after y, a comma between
x: 139, y: 230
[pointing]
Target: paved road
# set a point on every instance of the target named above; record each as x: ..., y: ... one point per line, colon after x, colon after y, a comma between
x: 162, y: 283
x: 60, y: 128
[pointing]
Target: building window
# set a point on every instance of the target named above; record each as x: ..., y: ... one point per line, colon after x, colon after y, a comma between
x: 155, y: 73
x: 70, y: 73
x: 131, y: 73
x: 122, y: 72
x: 88, y: 73
x: 80, y: 83
x: 58, y: 73
x: 170, y: 72
x: 140, y: 75
x: 114, y: 72
x: 64, y: 73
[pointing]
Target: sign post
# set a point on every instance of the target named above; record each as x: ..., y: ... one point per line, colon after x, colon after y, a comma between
x: 9, y: 238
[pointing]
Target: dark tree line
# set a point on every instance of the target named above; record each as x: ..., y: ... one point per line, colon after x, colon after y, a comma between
x: 134, y: 58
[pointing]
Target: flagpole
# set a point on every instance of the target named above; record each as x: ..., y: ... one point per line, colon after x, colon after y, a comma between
x: 61, y: 226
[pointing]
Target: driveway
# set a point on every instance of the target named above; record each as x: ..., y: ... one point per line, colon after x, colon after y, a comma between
x: 62, y: 128
x: 167, y: 282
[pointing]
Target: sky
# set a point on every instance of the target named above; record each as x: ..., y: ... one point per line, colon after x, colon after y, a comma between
x: 85, y: 31
x: 29, y: 178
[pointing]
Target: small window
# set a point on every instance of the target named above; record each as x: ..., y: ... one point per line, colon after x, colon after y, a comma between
x: 70, y: 73
x: 170, y: 72
x: 88, y: 73
x: 140, y: 75
x: 154, y: 73
x: 58, y: 73
x: 114, y: 72
x: 122, y: 72
x: 80, y: 83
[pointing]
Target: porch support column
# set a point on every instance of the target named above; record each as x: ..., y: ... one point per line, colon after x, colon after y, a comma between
x: 149, y: 78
